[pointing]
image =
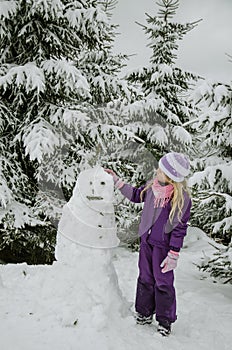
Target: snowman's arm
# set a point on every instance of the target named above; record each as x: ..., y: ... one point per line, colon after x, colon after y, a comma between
x: 132, y: 193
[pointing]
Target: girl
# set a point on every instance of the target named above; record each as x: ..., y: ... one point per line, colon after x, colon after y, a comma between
x: 162, y: 229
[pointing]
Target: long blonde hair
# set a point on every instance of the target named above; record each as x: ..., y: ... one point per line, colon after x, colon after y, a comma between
x: 177, y: 201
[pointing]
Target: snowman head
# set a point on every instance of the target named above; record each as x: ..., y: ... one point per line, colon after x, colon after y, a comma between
x: 95, y: 186
x: 103, y: 184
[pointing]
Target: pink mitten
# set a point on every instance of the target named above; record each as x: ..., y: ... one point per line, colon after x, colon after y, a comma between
x: 112, y: 173
x: 117, y: 181
x: 170, y: 262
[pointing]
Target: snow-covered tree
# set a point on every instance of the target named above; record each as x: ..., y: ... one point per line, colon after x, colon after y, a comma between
x: 160, y: 114
x: 58, y: 84
x: 220, y: 264
x: 212, y: 181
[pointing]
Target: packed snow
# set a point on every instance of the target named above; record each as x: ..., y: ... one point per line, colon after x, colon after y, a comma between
x: 89, y: 305
x: 85, y: 300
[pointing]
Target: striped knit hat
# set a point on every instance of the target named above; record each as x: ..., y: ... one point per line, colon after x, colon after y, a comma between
x: 175, y: 165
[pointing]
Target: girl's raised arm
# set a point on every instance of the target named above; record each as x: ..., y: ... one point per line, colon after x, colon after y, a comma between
x: 130, y: 192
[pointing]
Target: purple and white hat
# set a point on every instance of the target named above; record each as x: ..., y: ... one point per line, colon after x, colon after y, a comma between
x: 175, y: 165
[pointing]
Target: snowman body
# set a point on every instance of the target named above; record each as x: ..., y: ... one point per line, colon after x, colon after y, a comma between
x: 86, y: 236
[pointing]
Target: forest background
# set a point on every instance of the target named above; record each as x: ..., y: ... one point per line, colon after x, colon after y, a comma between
x: 67, y: 104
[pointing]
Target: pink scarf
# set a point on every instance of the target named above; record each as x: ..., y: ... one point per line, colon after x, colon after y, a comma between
x: 162, y: 194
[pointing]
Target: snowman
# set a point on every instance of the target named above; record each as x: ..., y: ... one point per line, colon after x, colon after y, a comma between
x: 84, y: 252
x: 88, y: 218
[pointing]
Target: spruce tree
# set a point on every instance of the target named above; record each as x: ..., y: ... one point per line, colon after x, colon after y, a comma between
x: 212, y: 178
x: 212, y: 182
x: 161, y: 114
x: 58, y: 83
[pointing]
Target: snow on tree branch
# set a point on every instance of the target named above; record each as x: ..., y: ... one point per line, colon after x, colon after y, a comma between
x: 7, y: 9
x: 5, y: 193
x: 182, y: 135
x: 50, y: 9
x: 40, y: 139
x: 29, y: 76
x: 66, y: 76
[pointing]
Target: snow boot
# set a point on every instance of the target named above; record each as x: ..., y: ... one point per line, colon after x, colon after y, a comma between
x: 164, y: 328
x: 140, y: 319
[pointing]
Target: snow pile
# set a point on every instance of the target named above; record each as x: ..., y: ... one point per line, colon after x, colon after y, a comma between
x: 79, y: 307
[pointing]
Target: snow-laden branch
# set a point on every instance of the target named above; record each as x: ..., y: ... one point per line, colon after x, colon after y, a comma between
x: 23, y: 215
x: 226, y: 223
x: 39, y: 139
x: 29, y: 76
x: 7, y: 9
x: 66, y: 76
x: 50, y: 10
x: 182, y: 135
x: 210, y: 172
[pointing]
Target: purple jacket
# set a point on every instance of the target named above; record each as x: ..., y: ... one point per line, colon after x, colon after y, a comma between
x: 154, y: 221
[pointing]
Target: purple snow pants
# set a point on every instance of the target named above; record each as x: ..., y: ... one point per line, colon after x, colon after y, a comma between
x: 155, y: 290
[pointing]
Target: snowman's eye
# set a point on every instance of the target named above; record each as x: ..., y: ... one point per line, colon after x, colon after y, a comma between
x: 103, y: 183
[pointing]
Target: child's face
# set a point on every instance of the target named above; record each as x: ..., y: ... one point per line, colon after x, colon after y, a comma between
x: 161, y: 176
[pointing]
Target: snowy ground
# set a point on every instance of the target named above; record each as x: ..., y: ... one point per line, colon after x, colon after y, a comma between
x: 37, y: 308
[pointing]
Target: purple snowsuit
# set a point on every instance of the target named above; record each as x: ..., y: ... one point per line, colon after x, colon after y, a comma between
x: 155, y: 290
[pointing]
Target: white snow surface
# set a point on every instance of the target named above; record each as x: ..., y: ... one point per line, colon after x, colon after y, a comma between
x: 88, y: 303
